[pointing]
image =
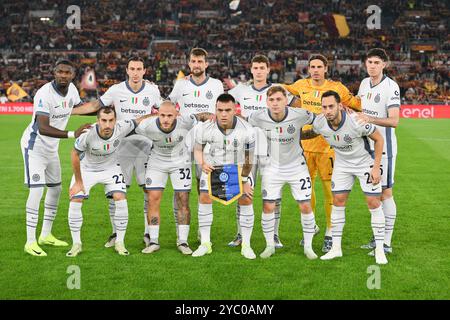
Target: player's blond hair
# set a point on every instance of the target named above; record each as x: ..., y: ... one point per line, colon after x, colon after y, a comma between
x: 274, y: 89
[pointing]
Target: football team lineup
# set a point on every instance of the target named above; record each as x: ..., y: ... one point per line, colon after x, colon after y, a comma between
x: 313, y: 129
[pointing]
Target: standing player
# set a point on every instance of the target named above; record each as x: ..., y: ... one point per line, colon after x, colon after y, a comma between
x: 169, y: 157
x: 231, y: 141
x: 94, y: 160
x: 380, y: 97
x: 353, y: 160
x: 282, y: 126
x: 319, y: 156
x: 132, y: 98
x: 53, y: 105
x: 194, y: 94
x: 251, y: 98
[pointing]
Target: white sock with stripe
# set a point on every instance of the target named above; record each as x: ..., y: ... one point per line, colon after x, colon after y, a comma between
x: 51, y: 207
x: 378, y: 225
x: 246, y: 222
x: 205, y: 220
x: 121, y: 219
x: 112, y: 211
x: 268, y: 227
x: 32, y: 212
x: 75, y: 221
x: 390, y: 214
x: 308, y: 222
x: 337, y: 225
x: 277, y: 216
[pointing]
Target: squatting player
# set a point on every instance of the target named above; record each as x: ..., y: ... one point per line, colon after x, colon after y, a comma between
x: 231, y: 140
x: 131, y: 99
x: 169, y: 157
x: 94, y: 161
x: 354, y: 159
x: 282, y: 126
x: 53, y: 105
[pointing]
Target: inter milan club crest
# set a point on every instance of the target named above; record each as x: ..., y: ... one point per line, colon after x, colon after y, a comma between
x: 36, y: 177
x: 235, y: 143
x: 180, y: 138
x: 377, y: 98
x: 148, y: 181
x: 209, y: 95
x: 146, y: 102
x: 116, y: 143
x: 70, y: 103
x: 223, y: 177
x: 348, y: 139
x: 291, y: 129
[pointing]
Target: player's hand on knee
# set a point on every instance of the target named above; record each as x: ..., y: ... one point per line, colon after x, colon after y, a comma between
x: 84, y: 128
x: 375, y: 175
x: 76, y: 188
x: 207, y: 168
x: 248, y: 190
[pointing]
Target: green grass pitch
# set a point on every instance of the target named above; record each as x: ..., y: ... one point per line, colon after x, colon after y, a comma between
x: 417, y: 269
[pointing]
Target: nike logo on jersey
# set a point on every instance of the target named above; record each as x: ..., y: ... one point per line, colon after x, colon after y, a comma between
x: 123, y: 100
x: 93, y: 149
x: 185, y: 94
x: 247, y: 98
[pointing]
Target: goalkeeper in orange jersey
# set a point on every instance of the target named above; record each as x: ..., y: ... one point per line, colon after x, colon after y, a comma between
x: 318, y: 154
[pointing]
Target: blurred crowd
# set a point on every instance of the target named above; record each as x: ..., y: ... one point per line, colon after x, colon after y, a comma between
x: 414, y: 33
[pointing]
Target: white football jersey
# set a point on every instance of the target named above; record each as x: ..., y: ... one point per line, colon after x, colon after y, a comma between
x: 192, y: 98
x: 131, y: 105
x: 168, y: 147
x: 283, y: 137
x: 49, y: 102
x: 98, y: 154
x: 350, y: 141
x: 376, y: 101
x: 226, y: 147
x: 251, y: 99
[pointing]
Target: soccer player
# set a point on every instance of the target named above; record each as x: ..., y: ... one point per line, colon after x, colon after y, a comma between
x: 94, y: 160
x: 319, y: 156
x: 231, y: 141
x: 169, y: 157
x: 282, y: 126
x: 53, y: 104
x: 353, y: 160
x: 251, y: 97
x: 194, y: 94
x: 380, y: 97
x: 131, y: 99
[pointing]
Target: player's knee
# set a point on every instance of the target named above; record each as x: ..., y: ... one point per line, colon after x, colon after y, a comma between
x: 204, y: 198
x: 117, y: 196
x: 245, y: 201
x: 269, y: 206
x: 56, y: 189
x: 154, y: 197
x: 373, y: 202
x: 305, y: 206
x: 386, y: 194
x: 339, y: 200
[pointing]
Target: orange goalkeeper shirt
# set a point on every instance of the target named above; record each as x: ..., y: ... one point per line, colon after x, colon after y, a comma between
x: 310, y: 98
